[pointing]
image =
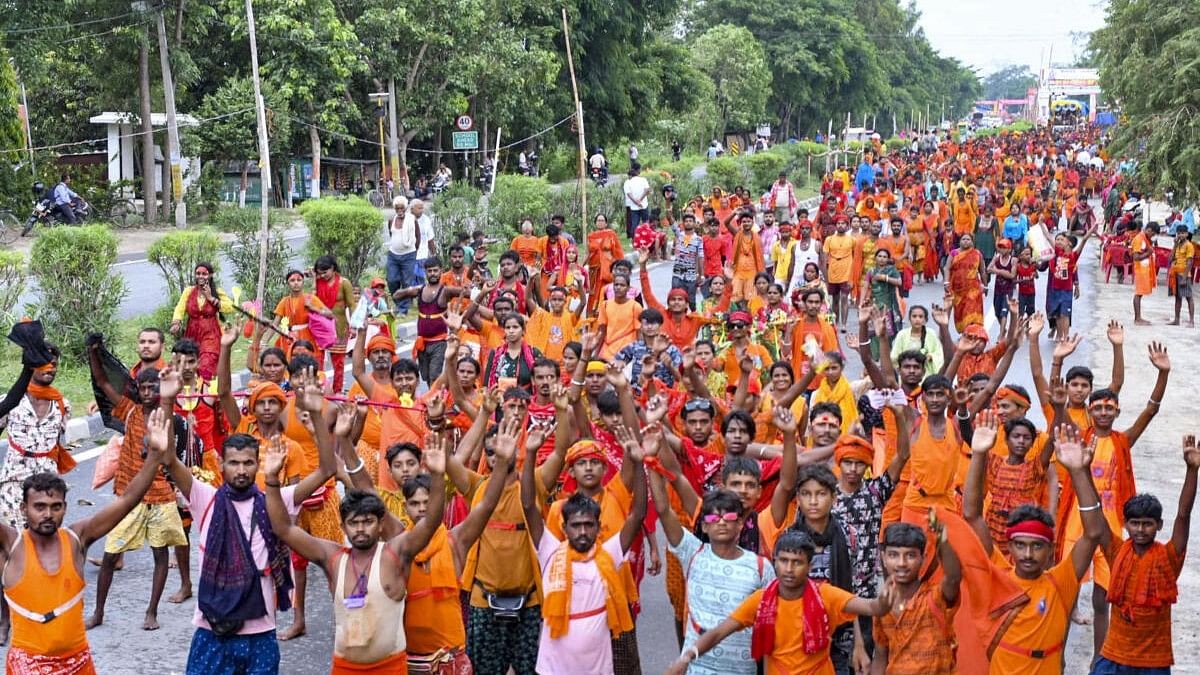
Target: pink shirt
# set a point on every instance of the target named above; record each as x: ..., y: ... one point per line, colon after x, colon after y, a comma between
x: 587, y: 646
x: 198, y: 502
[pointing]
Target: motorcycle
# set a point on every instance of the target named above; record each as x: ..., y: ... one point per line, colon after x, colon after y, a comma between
x: 600, y: 176
x: 439, y: 184
x: 485, y: 176
x: 46, y: 212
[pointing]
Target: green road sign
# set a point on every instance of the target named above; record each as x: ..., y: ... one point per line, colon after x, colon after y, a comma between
x: 466, y: 140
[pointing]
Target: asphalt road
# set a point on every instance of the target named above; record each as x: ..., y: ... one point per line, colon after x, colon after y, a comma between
x: 120, y: 646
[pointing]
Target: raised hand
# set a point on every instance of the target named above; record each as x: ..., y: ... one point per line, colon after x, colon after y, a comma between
x: 783, y: 419
x: 561, y: 396
x: 1191, y: 454
x: 878, y: 323
x: 452, y: 345
x: 652, y: 437
x: 689, y: 358
x: 966, y: 343
x: 1013, y: 306
x: 490, y: 400
x: 746, y: 362
x: 1116, y: 333
x: 274, y: 457
x: 940, y: 316
x: 662, y: 343
x: 505, y: 443
x: 1158, y: 356
x: 1037, y: 322
x: 435, y: 407
x: 537, y: 434
x: 629, y: 442
x: 229, y: 335
x: 1064, y: 347
x: 158, y: 434
x: 170, y: 382
x: 962, y: 397
x: 656, y: 409
x: 986, y: 430
x: 344, y: 423
x: 643, y: 256
x: 454, y: 323
x: 310, y: 397
x: 1072, y: 453
x: 591, y: 343
x: 614, y: 371
x: 434, y: 456
x: 1058, y: 392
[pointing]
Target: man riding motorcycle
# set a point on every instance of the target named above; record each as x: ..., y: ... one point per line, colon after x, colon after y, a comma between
x: 65, y: 199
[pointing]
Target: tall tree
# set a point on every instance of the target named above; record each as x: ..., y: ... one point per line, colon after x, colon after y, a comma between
x: 1148, y: 51
x: 12, y: 134
x: 1011, y: 81
x: 735, y: 62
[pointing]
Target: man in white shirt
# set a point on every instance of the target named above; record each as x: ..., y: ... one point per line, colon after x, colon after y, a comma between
x: 523, y: 163
x: 426, y: 247
x: 637, y: 200
x: 402, y: 252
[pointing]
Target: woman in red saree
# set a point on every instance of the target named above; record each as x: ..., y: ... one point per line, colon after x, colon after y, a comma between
x: 966, y: 283
x: 202, y: 305
x: 603, y: 248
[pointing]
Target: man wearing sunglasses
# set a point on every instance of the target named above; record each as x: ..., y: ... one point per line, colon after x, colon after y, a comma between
x: 738, y: 332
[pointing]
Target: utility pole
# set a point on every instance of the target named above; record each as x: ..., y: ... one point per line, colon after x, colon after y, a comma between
x: 393, y: 141
x: 264, y: 158
x: 583, y: 215
x: 176, y: 156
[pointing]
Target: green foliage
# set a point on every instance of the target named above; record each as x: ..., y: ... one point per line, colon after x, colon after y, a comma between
x: 12, y: 136
x: 12, y: 284
x: 559, y: 163
x: 516, y: 197
x: 235, y: 219
x: 79, y: 294
x: 460, y: 191
x: 735, y: 62
x: 1011, y: 81
x: 347, y: 228
x: 727, y: 172
x: 212, y: 182
x: 243, y: 253
x: 764, y: 168
x: 177, y: 253
x: 1148, y: 51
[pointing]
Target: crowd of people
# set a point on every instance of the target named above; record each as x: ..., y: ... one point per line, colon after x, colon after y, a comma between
x: 496, y: 497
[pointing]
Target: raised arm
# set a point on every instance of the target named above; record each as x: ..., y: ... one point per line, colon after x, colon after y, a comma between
x: 903, y: 442
x: 1158, y: 359
x: 530, y: 503
x: 785, y: 491
x: 985, y: 396
x: 1116, y: 337
x: 1076, y: 458
x: 466, y: 532
x: 229, y: 405
x: 358, y: 362
x: 951, y: 566
x: 450, y: 369
x: 974, y: 489
x: 879, y: 377
x: 302, y: 543
x: 631, y: 531
x: 647, y: 287
x: 1187, y: 497
x: 467, y: 453
x: 159, y: 436
x: 408, y: 544
x: 98, y: 375
x: 1036, y: 323
x: 653, y: 448
x: 311, y: 400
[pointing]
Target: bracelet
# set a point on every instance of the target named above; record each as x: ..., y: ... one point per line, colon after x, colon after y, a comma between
x: 361, y: 464
x: 693, y: 651
x: 1153, y: 402
x: 1093, y: 507
x: 960, y: 416
x: 273, y: 485
x: 577, y: 383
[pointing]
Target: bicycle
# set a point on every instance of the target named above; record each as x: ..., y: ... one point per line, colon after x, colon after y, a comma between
x: 376, y: 198
x: 122, y: 213
x: 10, y: 227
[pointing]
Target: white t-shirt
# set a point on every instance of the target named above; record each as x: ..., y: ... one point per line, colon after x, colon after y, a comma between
x: 597, y: 161
x: 426, y: 225
x: 637, y: 187
x: 404, y: 236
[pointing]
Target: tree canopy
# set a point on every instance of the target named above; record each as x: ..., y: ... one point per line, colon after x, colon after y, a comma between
x: 1009, y: 82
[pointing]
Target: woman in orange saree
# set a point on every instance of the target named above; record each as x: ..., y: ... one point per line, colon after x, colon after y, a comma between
x: 966, y: 283
x: 603, y: 248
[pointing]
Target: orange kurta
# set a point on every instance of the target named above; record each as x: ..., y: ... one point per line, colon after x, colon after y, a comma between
x: 603, y: 248
x: 1145, y: 273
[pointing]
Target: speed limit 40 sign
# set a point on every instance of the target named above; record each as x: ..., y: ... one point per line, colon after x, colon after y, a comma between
x: 464, y: 123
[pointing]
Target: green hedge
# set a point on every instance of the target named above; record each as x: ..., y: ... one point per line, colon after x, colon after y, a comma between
x: 79, y: 294
x: 348, y: 228
x: 177, y: 253
x: 12, y: 284
x: 515, y: 198
x: 243, y: 254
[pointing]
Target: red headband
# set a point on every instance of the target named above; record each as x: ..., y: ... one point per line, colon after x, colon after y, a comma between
x: 1030, y: 528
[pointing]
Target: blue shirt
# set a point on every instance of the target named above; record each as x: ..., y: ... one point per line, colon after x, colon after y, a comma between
x: 865, y: 174
x: 1016, y: 228
x: 633, y: 353
x: 63, y: 194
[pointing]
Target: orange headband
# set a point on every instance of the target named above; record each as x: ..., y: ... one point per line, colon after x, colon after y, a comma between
x: 45, y: 368
x: 583, y: 449
x: 853, y: 447
x: 381, y: 341
x: 265, y: 390
x: 1008, y: 393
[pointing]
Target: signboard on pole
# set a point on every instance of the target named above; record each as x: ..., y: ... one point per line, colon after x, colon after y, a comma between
x: 465, y: 140
x: 464, y: 123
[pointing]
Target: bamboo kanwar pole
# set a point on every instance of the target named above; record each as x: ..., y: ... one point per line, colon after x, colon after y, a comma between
x: 495, y: 160
x: 264, y: 159
x: 583, y: 214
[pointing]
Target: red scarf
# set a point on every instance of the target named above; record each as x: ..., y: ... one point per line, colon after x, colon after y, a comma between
x: 816, y: 621
x: 327, y: 291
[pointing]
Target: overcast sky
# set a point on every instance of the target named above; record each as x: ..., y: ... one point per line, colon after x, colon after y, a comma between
x: 990, y: 35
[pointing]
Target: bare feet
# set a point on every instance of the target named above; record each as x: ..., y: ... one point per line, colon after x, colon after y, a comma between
x: 1141, y: 322
x: 1173, y: 323
x: 181, y: 595
x: 1080, y: 619
x: 171, y: 564
x: 293, y: 632
x: 151, y: 622
x: 93, y: 621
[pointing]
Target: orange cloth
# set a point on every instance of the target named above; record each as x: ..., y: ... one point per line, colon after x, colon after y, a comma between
x: 1145, y: 274
x: 528, y: 247
x: 933, y: 467
x: 392, y: 665
x: 549, y: 333
x: 397, y: 425
x: 966, y: 288
x: 983, y: 362
x: 295, y: 311
x: 556, y: 608
x: 294, y: 466
x: 1112, y: 469
x: 1142, y: 591
x: 40, y: 591
x: 1041, y: 624
x: 839, y: 251
x: 621, y: 320
x: 788, y: 654
x: 682, y: 331
x: 510, y: 565
x: 920, y: 641
x: 988, y: 594
x: 131, y: 460
x: 46, y: 392
x: 433, y: 613
x: 603, y: 248
x: 965, y: 212
x: 826, y: 337
x: 747, y: 255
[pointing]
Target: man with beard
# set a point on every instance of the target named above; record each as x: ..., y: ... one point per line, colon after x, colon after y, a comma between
x: 587, y: 595
x: 433, y: 298
x: 245, y: 573
x: 369, y: 587
x: 48, y: 629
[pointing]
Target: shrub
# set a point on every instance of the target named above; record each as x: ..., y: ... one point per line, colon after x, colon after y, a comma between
x: 243, y: 252
x: 559, y: 163
x: 348, y: 228
x: 896, y: 144
x: 516, y: 197
x: 456, y: 210
x: 12, y: 284
x: 211, y: 183
x: 764, y: 168
x: 726, y: 172
x: 79, y: 294
x: 178, y: 253
x: 235, y: 219
x: 462, y: 191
